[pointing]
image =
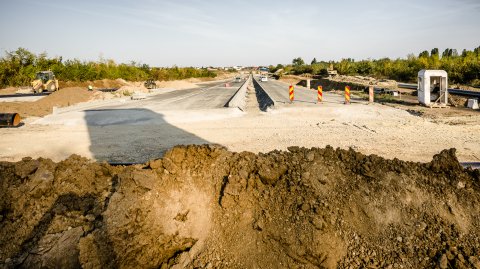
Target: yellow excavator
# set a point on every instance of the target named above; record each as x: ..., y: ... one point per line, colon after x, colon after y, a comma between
x: 45, y: 81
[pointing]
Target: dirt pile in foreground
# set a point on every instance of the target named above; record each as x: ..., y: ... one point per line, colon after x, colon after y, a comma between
x: 206, y: 207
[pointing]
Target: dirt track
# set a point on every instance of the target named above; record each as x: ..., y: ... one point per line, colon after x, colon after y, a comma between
x: 202, y: 206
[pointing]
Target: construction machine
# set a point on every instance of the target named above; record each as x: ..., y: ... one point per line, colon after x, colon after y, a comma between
x: 150, y: 84
x: 332, y: 72
x: 45, y: 81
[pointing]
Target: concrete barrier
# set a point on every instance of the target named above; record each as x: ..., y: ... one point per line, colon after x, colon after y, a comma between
x: 239, y: 98
x: 472, y: 103
x: 264, y: 100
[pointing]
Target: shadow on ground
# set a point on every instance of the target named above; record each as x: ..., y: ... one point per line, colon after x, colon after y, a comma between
x: 133, y: 135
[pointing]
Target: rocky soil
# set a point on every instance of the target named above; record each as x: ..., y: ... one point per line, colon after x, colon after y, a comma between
x: 206, y: 207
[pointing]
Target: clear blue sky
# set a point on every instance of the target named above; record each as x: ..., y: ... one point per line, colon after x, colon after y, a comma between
x: 236, y: 32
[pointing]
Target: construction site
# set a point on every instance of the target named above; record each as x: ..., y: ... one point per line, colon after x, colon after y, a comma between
x: 244, y: 171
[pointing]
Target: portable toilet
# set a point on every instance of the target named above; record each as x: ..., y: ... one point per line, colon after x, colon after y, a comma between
x: 433, y: 87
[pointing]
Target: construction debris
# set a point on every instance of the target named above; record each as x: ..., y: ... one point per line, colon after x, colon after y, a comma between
x: 10, y: 119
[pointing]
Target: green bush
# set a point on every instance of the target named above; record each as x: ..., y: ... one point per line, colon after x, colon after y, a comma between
x: 464, y: 68
x: 19, y: 68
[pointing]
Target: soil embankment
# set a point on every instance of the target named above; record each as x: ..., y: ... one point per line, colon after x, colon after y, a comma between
x: 203, y: 206
x: 62, y: 98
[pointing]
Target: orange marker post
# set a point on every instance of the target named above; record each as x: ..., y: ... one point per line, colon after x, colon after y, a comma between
x: 291, y: 93
x: 347, y: 95
x: 320, y: 94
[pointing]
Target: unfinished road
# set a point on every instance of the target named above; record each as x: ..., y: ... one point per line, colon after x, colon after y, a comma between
x: 206, y: 97
x: 124, y: 130
x: 177, y: 103
x: 278, y: 92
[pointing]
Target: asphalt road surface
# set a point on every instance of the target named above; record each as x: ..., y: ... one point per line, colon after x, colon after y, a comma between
x: 152, y: 110
x: 279, y: 92
x: 206, y: 97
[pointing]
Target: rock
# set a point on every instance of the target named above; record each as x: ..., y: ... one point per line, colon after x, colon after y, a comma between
x: 474, y: 261
x: 443, y: 263
x: 243, y: 174
x: 259, y: 225
x: 182, y: 216
x: 41, y: 182
x: 318, y: 223
x: 305, y: 207
x: 234, y: 188
x: 450, y: 256
x: 56, y: 250
x: 310, y: 156
x: 26, y: 167
x: 177, y: 154
x: 445, y: 161
x: 270, y: 175
x: 144, y: 178
x: 293, y: 149
x: 169, y: 165
x: 155, y: 164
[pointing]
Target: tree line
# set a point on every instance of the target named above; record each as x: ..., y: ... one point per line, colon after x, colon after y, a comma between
x: 463, y: 68
x: 20, y: 66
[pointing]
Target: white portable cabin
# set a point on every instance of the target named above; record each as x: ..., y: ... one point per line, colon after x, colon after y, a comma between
x: 433, y: 87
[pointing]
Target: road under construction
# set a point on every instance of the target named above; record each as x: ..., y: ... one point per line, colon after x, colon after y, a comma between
x: 249, y: 174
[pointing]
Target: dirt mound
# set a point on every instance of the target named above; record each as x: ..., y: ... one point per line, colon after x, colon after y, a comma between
x: 366, y: 81
x: 8, y: 90
x: 63, y: 97
x: 176, y: 84
x: 129, y: 90
x: 220, y: 76
x: 102, y: 84
x: 291, y: 79
x: 203, y: 206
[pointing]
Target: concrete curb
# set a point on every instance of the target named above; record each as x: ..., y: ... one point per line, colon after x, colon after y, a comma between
x: 264, y: 99
x: 239, y: 98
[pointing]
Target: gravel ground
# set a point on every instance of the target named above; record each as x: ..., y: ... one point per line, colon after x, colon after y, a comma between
x: 369, y: 128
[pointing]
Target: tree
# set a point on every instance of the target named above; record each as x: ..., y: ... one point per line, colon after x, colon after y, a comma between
x: 314, y: 61
x: 454, y: 53
x: 274, y: 69
x: 364, y: 68
x: 298, y: 61
x: 477, y: 51
x: 447, y: 53
x: 424, y: 54
x: 434, y: 53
